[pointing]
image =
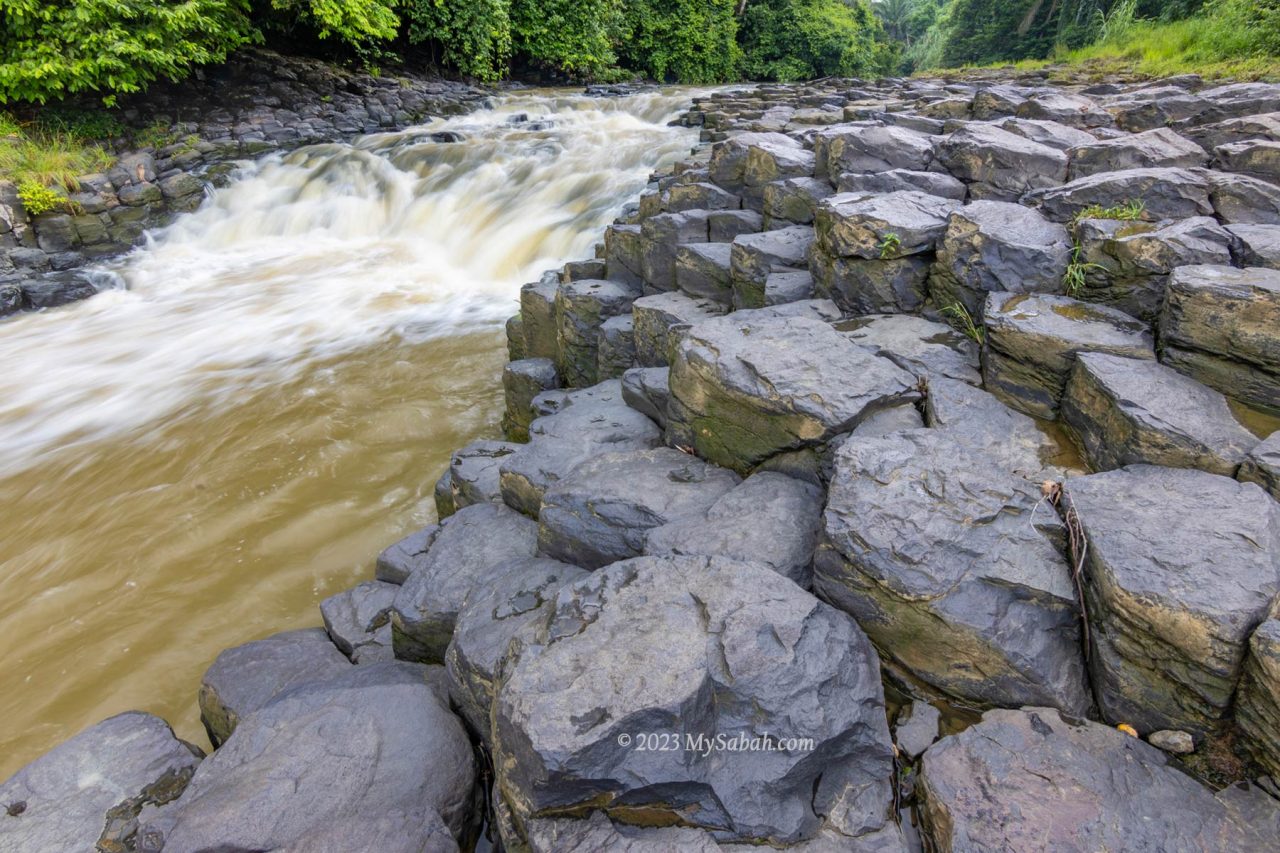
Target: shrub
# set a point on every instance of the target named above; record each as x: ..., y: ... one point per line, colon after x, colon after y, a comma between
x: 52, y: 48
x: 353, y: 22
x: 692, y: 41
x: 573, y: 36
x: 800, y: 39
x: 473, y: 36
x: 38, y: 199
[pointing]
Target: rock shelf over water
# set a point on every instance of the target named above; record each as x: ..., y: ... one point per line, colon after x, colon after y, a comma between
x: 957, y: 391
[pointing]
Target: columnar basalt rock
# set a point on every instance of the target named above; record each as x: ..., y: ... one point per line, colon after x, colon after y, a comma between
x: 1258, y: 700
x: 999, y: 165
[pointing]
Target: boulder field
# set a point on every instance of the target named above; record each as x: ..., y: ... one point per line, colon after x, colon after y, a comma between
x: 899, y: 475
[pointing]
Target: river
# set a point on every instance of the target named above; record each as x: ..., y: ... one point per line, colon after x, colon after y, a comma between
x: 198, y: 458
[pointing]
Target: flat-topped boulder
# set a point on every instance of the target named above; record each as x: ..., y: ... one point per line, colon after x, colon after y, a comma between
x: 895, y: 225
x: 1221, y: 326
x: 702, y: 271
x: 994, y: 246
x: 1210, y: 136
x: 871, y: 148
x: 701, y: 195
x: 1032, y: 340
x: 245, y: 678
x: 616, y: 347
x: 581, y: 307
x: 917, y: 345
x: 1036, y: 779
x: 358, y: 621
x: 1257, y: 245
x: 490, y: 617
x: 538, y: 317
x: 695, y: 647
x: 935, y: 552
x: 1065, y: 108
x: 747, y: 388
x: 1127, y: 264
x: 1258, y: 700
x: 660, y: 236
x: 375, y: 744
x: 86, y: 793
x: 1046, y: 132
x: 1164, y: 193
x: 1152, y: 148
x: 662, y: 319
x: 1241, y: 199
x: 786, y: 286
x: 754, y: 257
x: 1262, y: 465
x: 564, y: 439
x: 1259, y: 158
x: 1128, y: 411
x: 745, y: 163
x: 1000, y: 165
x: 978, y: 421
x: 768, y: 518
x: 603, y: 511
x: 901, y: 180
x: 1172, y: 605
x: 862, y: 286
x: 463, y: 556
x: 792, y: 202
x: 523, y: 380
x: 472, y: 475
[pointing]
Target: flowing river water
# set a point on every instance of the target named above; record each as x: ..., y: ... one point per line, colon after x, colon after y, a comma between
x: 199, y: 458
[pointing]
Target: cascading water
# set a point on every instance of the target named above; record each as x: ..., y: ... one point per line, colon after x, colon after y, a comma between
x: 197, y: 458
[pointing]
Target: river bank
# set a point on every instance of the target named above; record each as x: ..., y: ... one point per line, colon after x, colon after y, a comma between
x: 920, y: 384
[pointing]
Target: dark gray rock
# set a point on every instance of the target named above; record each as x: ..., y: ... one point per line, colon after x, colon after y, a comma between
x: 647, y: 390
x: 462, y: 557
x: 750, y: 388
x: 1258, y: 245
x: 724, y: 225
x: 871, y: 148
x: 899, y: 180
x: 616, y: 350
x: 89, y: 790
x: 1172, y: 605
x: 661, y: 321
x: 491, y: 616
x: 357, y: 750
x: 603, y: 511
x: 994, y: 246
x: 358, y: 621
x: 690, y: 647
x: 937, y: 555
x: 917, y: 728
x: 919, y: 346
x: 1153, y: 148
x: 473, y: 472
x: 1258, y: 700
x: 398, y: 560
x: 1044, y: 132
x: 1035, y: 779
x: 754, y: 257
x: 1259, y: 158
x: 1032, y: 341
x: 702, y: 271
x: 698, y: 196
x: 581, y: 308
x: 882, y: 227
x: 522, y: 381
x: 792, y: 202
x: 245, y: 678
x: 661, y: 236
x: 1240, y: 199
x: 538, y: 317
x: 1065, y: 108
x: 861, y: 286
x: 1165, y: 193
x: 978, y: 421
x: 1262, y: 465
x: 1000, y: 165
x: 1221, y: 326
x: 747, y: 162
x: 624, y: 254
x: 1126, y: 411
x: 1210, y: 136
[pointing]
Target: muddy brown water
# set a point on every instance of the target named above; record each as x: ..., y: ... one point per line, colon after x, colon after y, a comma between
x: 200, y: 458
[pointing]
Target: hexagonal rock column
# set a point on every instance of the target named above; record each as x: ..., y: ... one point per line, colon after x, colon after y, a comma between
x: 1164, y: 193
x: 662, y: 319
x: 1222, y: 326
x: 746, y: 162
x: 1034, y: 779
x: 754, y: 257
x: 999, y: 165
x: 1126, y: 411
x: 1172, y: 604
x: 581, y: 308
x: 1032, y: 341
x: 747, y: 389
x: 871, y: 148
x: 1153, y: 148
x: 935, y: 551
x: 994, y: 246
x: 689, y: 648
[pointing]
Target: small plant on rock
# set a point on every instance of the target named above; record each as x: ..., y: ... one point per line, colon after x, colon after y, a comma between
x: 1132, y: 210
x: 1076, y: 277
x: 38, y: 199
x: 961, y: 315
x: 890, y: 246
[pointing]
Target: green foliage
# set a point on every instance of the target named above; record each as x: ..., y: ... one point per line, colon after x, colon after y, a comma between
x: 38, y: 156
x: 802, y: 39
x: 890, y: 246
x: 573, y: 36
x: 473, y: 36
x: 692, y: 41
x: 53, y: 48
x: 1077, y: 274
x: 957, y: 312
x: 38, y: 199
x: 354, y: 22
x: 1132, y: 210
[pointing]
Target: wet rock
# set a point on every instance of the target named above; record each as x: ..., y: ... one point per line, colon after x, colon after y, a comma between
x: 1034, y: 779
x: 901, y: 180
x: 702, y: 271
x: 603, y: 511
x: 754, y: 257
x: 936, y: 554
x: 749, y: 388
x: 462, y: 557
x: 1240, y: 199
x: 993, y: 246
x: 491, y: 616
x: 724, y: 225
x: 1000, y: 165
x: 696, y: 647
x: 1032, y: 341
x: 1221, y: 326
x: 616, y: 353
x: 861, y: 286
x: 768, y: 518
x: 581, y: 308
x: 919, y: 346
x: 358, y: 621
x: 881, y: 227
x: 792, y: 202
x: 647, y: 390
x: 1126, y: 411
x: 538, y: 317
x: 1171, y: 606
x: 1258, y: 702
x: 661, y: 321
x: 917, y: 728
x: 89, y: 790
x: 1262, y: 465
x: 978, y: 421
x: 587, y: 268
x: 1153, y: 148
x: 247, y: 677
x: 561, y: 441
x: 1179, y: 743
x: 356, y: 750
x: 1127, y: 264
x: 522, y: 381
x: 1258, y: 245
x: 1165, y: 193
x: 871, y: 148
